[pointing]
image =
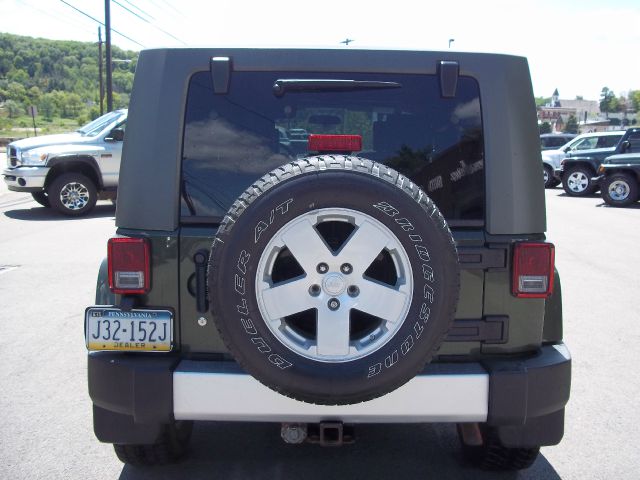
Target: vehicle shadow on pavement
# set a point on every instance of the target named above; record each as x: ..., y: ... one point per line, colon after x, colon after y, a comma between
x: 48, y: 214
x: 591, y: 195
x: 635, y: 206
x: 240, y: 452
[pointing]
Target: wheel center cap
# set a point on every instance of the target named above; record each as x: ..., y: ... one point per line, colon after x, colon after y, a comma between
x: 334, y: 284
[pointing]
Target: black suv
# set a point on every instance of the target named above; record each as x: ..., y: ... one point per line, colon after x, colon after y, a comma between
x: 393, y: 270
x: 579, y: 167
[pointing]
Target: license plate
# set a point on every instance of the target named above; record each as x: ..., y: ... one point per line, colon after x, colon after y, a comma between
x: 109, y: 328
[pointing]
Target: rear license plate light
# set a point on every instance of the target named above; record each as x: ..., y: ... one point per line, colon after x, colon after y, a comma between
x: 533, y: 270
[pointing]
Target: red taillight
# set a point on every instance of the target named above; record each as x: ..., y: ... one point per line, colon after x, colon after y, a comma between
x: 533, y: 265
x: 129, y: 265
x: 335, y: 143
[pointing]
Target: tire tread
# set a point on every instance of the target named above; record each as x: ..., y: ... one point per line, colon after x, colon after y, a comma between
x: 336, y: 162
x: 493, y: 455
x: 170, y: 448
x: 633, y: 189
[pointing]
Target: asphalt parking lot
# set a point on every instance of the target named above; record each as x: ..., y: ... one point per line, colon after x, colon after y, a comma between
x: 48, y: 266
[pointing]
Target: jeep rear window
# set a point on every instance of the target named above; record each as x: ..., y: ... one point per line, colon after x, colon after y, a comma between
x: 232, y: 139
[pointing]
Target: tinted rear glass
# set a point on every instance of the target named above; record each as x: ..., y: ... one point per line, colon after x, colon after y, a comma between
x: 554, y: 141
x: 231, y: 140
x: 608, y: 141
x: 634, y: 143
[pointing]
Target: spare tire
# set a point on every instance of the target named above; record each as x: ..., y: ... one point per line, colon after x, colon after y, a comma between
x: 333, y: 280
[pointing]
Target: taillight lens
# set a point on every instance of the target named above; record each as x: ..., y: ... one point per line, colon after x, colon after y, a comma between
x: 335, y: 143
x: 129, y: 265
x: 533, y: 266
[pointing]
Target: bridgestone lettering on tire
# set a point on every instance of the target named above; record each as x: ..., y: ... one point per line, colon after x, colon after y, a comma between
x: 333, y: 280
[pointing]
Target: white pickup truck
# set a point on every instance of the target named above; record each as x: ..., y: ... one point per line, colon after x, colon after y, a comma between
x: 69, y: 171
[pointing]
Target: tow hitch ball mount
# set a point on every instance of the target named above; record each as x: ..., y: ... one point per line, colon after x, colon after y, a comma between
x: 326, y: 434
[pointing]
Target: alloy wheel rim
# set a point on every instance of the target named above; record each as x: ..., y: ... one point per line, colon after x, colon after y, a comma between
x: 345, y: 297
x: 74, y: 196
x: 578, y: 182
x: 619, y: 190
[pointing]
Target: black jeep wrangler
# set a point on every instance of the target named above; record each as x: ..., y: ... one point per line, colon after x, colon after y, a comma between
x: 391, y: 269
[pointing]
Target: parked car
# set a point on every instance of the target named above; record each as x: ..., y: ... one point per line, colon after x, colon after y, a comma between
x: 619, y: 179
x: 70, y: 171
x: 247, y: 285
x: 554, y: 141
x: 551, y: 159
x: 580, y: 166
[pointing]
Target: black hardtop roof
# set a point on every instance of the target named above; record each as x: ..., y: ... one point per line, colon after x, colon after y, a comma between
x: 514, y: 201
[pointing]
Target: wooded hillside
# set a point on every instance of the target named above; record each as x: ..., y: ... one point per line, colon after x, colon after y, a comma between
x: 59, y: 77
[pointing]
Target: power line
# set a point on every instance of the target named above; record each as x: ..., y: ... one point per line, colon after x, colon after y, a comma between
x: 169, y: 5
x: 139, y: 9
x: 68, y: 21
x: 147, y: 21
x: 98, y: 21
x: 172, y: 7
x: 130, y: 11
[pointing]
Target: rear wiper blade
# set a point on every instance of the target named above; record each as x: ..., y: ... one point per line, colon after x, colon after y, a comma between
x: 282, y: 86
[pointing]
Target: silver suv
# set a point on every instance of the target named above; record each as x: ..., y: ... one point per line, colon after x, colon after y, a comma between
x: 69, y: 171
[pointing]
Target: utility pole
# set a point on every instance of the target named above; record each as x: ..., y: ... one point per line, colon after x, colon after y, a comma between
x: 107, y: 26
x: 100, y: 71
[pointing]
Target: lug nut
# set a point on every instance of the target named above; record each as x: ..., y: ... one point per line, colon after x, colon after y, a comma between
x: 353, y: 291
x: 333, y: 304
x: 314, y: 290
x: 346, y: 268
x: 322, y: 268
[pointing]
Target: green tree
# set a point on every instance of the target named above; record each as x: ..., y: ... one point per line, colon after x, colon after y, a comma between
x: 608, y: 101
x: 634, y: 98
x: 545, y: 127
x: 572, y: 125
x: 48, y: 107
x: 122, y: 81
x: 72, y: 105
x: 621, y: 104
x: 60, y: 77
x: 541, y: 101
x: 34, y: 95
x: 19, y: 76
x: 17, y: 92
x: 18, y: 62
x: 14, y: 108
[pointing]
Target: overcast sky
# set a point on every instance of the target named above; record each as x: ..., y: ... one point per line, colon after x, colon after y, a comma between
x: 576, y: 46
